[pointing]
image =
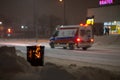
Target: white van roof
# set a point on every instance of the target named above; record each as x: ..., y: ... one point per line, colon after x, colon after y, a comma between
x: 74, y: 26
x: 66, y: 26
x: 69, y: 26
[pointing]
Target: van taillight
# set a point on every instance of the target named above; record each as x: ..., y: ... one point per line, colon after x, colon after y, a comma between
x: 78, y: 39
x: 92, y: 40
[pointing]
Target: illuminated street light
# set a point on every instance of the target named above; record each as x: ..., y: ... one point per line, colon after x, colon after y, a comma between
x: 60, y: 0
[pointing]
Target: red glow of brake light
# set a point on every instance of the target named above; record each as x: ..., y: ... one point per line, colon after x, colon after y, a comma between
x: 92, y: 40
x: 78, y: 39
x: 86, y: 25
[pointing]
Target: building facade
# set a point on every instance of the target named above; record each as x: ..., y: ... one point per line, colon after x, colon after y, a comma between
x: 108, y: 15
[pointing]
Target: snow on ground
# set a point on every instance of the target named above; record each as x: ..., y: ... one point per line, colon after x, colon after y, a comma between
x: 14, y: 67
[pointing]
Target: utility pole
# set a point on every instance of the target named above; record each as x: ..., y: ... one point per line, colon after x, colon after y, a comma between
x: 64, y: 10
x: 34, y: 21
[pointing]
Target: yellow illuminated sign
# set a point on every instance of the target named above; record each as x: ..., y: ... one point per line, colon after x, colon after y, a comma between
x: 90, y: 21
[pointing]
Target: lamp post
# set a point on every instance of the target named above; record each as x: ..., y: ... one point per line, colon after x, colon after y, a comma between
x: 64, y: 11
x: 34, y: 20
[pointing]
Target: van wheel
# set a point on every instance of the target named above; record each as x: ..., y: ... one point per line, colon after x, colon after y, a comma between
x: 84, y: 48
x: 71, y: 46
x: 52, y: 45
x: 64, y: 47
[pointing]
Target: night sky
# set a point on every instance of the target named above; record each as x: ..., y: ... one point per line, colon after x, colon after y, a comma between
x: 23, y: 11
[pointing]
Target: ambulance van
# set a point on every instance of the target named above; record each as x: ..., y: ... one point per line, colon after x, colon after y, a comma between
x: 72, y: 36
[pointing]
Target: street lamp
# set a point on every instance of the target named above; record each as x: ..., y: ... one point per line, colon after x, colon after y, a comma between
x: 60, y: 0
x: 64, y: 11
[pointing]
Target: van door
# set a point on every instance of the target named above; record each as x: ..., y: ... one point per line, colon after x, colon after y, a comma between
x: 85, y: 35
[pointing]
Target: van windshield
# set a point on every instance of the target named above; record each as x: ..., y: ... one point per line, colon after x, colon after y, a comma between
x: 55, y: 33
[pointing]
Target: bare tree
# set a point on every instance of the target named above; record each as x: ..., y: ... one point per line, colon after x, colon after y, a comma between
x: 47, y: 24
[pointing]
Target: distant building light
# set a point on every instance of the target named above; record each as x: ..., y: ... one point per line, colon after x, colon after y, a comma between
x: 22, y: 27
x: 105, y: 23
x: 8, y: 35
x: 115, y: 22
x: 0, y: 22
x: 9, y: 30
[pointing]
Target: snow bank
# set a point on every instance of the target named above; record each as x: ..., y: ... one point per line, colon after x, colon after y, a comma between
x: 13, y: 67
x: 10, y: 63
x: 111, y: 41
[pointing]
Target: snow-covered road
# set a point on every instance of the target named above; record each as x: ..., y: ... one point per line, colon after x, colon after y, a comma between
x: 94, y: 55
